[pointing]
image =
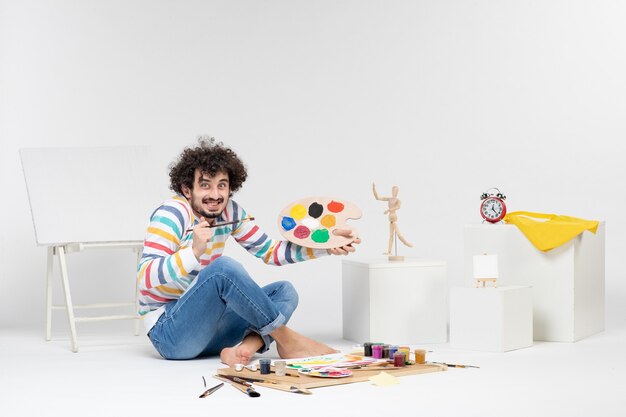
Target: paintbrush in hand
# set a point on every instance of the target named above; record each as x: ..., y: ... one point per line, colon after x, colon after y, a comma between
x: 226, y: 223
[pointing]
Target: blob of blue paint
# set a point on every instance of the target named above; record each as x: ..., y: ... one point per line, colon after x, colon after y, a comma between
x: 288, y: 223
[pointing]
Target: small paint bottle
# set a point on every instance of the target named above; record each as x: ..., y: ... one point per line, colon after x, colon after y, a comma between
x: 280, y: 367
x: 367, y: 349
x: 398, y: 359
x: 377, y: 351
x: 392, y: 349
x: 265, y: 366
x: 407, y: 352
x: 385, y: 351
x: 420, y: 355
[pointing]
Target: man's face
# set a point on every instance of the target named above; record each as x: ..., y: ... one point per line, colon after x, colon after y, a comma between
x: 209, y: 195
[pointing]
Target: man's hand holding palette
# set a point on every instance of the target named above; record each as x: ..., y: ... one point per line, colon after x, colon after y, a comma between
x: 312, y: 221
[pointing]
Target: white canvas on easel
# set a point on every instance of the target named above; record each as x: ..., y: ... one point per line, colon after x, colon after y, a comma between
x: 91, y: 198
x: 485, y: 269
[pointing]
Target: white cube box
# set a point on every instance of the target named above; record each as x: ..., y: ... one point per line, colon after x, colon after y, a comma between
x: 491, y: 319
x: 394, y: 302
x: 567, y: 282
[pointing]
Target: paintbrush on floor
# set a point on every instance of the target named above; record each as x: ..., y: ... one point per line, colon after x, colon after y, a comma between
x: 455, y: 365
x: 240, y: 384
x: 283, y: 387
x: 268, y: 384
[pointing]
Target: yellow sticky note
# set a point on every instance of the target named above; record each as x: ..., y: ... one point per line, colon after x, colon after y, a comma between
x: 384, y: 379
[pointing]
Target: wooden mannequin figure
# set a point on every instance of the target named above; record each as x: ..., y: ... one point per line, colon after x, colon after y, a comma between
x: 394, y: 232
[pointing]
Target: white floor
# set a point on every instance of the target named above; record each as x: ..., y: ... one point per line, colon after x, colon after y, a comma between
x: 118, y: 374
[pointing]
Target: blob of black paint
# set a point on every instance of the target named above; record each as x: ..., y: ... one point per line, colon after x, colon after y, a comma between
x: 316, y: 210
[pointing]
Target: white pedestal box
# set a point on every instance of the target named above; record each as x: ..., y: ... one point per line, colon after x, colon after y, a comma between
x: 491, y: 319
x: 394, y: 302
x: 567, y: 282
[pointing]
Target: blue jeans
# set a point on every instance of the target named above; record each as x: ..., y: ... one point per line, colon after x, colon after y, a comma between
x: 221, y: 307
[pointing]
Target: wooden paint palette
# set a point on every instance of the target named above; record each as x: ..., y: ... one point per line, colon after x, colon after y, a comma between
x: 310, y: 221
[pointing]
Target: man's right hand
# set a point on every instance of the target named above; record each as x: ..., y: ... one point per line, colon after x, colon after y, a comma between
x: 346, y: 249
x: 202, y: 233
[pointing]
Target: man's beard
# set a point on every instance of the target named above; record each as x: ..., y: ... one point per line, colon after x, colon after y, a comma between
x: 209, y: 215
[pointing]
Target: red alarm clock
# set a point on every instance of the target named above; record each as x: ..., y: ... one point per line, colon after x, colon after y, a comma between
x: 493, y: 208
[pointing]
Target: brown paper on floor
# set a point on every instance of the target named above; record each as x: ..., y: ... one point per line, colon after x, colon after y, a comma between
x: 358, y: 375
x: 384, y: 379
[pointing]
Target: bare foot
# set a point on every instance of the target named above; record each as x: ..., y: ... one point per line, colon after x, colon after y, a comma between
x: 291, y: 344
x: 243, y: 352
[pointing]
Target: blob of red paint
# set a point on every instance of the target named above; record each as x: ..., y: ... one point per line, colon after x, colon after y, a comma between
x: 301, y: 232
x: 335, y: 206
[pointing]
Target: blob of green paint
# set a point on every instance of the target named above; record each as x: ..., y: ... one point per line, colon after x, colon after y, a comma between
x: 288, y: 223
x: 320, y: 236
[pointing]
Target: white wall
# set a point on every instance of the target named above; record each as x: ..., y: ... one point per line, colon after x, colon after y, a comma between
x: 442, y: 98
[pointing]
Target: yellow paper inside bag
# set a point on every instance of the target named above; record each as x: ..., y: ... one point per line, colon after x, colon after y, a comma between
x: 548, y: 231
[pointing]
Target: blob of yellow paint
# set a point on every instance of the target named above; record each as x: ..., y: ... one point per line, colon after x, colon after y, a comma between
x: 298, y: 211
x: 328, y: 220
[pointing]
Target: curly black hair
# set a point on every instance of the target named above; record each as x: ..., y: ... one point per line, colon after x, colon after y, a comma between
x: 210, y: 157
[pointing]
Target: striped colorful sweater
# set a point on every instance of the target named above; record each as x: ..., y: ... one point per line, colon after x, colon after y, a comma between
x: 168, y: 265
